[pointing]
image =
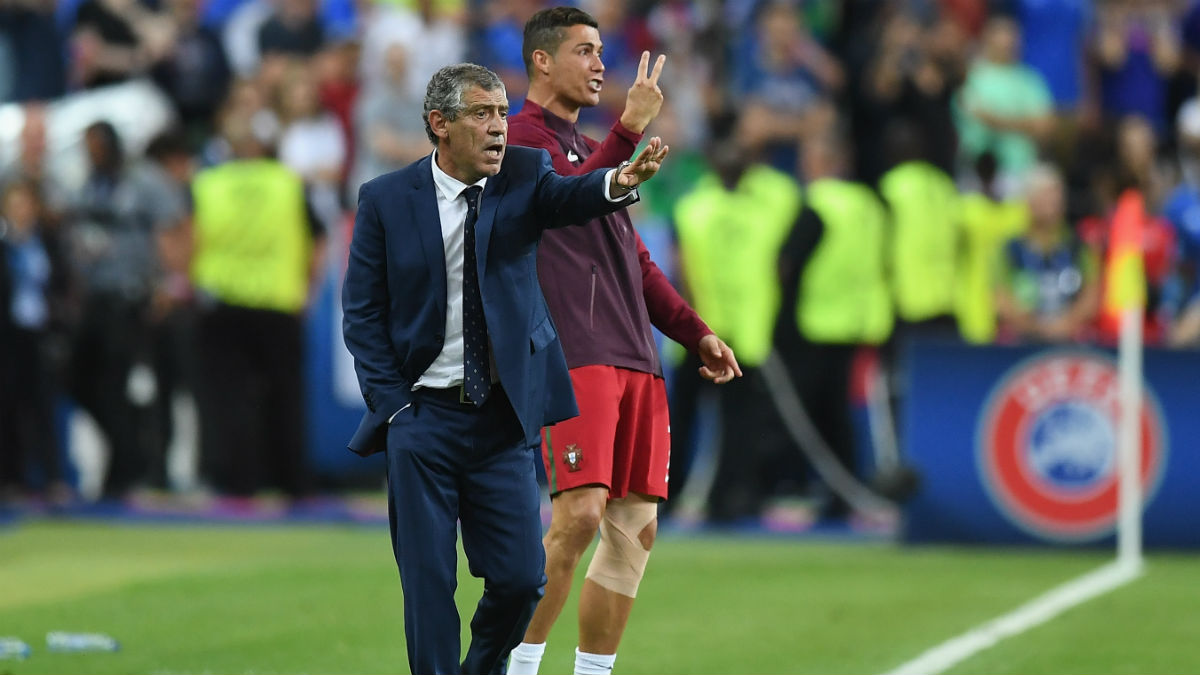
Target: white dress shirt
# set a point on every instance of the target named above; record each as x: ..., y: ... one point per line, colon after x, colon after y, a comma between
x: 447, y: 369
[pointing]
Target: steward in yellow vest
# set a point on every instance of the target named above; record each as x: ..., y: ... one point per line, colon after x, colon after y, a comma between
x: 832, y: 274
x: 987, y: 223
x: 925, y: 214
x: 730, y: 228
x: 253, y: 251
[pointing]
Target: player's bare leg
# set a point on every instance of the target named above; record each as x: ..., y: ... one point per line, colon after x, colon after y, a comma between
x: 575, y: 518
x: 604, y: 612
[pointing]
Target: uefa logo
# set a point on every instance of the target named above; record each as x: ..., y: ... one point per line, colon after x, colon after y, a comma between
x: 1047, y: 446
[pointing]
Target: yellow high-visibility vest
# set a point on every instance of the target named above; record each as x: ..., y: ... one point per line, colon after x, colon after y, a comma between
x: 987, y: 225
x: 924, y: 249
x: 729, y: 244
x: 843, y: 295
x: 252, y: 239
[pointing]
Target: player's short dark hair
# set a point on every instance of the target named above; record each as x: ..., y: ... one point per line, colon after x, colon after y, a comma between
x: 547, y: 29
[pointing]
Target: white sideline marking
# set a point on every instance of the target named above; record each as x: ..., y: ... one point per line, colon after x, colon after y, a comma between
x: 1031, y: 614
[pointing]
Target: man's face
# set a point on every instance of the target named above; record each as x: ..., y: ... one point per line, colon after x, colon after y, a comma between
x: 576, y: 72
x: 472, y: 146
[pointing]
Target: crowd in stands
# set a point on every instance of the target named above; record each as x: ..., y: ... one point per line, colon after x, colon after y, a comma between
x: 981, y: 145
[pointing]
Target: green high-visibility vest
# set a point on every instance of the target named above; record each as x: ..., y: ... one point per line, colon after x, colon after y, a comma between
x: 729, y: 244
x: 924, y: 250
x: 252, y: 238
x: 843, y: 295
x: 987, y: 225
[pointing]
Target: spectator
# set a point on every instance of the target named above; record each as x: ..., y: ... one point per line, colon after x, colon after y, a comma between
x: 194, y: 72
x: 1136, y: 166
x: 169, y: 167
x: 907, y: 81
x: 1181, y: 301
x: 1004, y: 106
x: 783, y: 78
x: 438, y: 31
x: 1049, y: 287
x: 112, y: 222
x: 1055, y: 45
x: 29, y: 450
x: 114, y: 40
x: 1137, y: 49
x: 312, y: 142
x: 388, y: 122
x: 32, y: 162
x: 294, y: 29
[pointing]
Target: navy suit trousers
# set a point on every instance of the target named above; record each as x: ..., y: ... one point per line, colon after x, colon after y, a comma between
x: 449, y: 463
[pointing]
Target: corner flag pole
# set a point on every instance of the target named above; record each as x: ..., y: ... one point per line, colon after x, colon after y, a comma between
x: 1125, y: 297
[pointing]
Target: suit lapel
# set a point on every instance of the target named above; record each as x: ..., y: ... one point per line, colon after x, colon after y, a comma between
x: 489, y: 201
x: 428, y: 224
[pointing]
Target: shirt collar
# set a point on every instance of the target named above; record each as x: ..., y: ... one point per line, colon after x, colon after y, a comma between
x: 554, y: 122
x: 449, y: 186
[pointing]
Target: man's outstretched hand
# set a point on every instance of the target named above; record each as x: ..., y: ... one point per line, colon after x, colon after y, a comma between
x: 720, y: 365
x: 645, y: 165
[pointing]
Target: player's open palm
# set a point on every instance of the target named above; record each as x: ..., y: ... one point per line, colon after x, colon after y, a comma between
x: 645, y: 98
x: 645, y: 165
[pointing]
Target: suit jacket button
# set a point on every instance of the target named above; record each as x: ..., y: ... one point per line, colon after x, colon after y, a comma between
x: 439, y: 337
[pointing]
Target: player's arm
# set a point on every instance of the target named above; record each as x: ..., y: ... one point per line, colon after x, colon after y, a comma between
x: 668, y: 311
x: 671, y: 314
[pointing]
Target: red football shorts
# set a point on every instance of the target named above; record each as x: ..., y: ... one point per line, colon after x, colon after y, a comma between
x: 621, y: 438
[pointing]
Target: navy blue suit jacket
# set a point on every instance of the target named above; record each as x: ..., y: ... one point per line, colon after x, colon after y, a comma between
x: 394, y: 297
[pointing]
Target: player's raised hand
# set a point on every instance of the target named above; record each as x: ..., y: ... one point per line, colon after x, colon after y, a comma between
x: 645, y: 99
x: 645, y: 165
x: 720, y: 365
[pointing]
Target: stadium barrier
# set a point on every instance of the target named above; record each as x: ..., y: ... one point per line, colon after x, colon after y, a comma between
x: 1018, y: 445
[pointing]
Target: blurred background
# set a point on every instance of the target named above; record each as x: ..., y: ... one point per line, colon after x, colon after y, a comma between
x: 898, y: 213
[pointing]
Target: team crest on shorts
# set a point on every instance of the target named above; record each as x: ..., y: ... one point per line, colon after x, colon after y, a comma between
x: 1047, y: 446
x: 573, y: 456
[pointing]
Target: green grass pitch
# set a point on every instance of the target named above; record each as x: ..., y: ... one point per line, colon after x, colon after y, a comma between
x: 300, y: 599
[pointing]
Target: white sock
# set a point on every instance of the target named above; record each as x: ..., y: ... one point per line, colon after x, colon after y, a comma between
x: 593, y: 664
x: 526, y: 658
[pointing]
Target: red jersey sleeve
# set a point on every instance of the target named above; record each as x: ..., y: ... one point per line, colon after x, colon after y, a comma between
x: 668, y: 311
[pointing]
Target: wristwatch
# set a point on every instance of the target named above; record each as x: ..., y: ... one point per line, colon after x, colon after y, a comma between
x: 620, y: 168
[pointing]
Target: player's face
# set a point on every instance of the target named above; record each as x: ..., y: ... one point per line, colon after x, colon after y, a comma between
x: 472, y: 146
x: 576, y: 72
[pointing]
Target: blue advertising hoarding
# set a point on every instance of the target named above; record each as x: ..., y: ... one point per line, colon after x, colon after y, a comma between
x: 1018, y: 445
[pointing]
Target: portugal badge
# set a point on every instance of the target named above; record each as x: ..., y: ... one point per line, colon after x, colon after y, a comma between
x: 573, y: 456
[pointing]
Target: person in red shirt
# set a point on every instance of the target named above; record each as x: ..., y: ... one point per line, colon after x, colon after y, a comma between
x: 607, y: 468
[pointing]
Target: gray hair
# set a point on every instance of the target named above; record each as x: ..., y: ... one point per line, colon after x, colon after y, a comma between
x: 446, y: 89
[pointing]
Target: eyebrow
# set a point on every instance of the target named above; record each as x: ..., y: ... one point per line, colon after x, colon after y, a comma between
x: 596, y: 45
x: 485, y: 106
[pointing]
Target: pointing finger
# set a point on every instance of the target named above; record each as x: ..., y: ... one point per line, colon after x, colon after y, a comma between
x: 643, y: 66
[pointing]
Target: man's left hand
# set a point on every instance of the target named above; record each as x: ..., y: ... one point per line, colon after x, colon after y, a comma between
x: 645, y: 165
x: 720, y: 365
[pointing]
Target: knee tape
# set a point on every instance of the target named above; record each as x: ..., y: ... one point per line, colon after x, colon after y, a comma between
x: 620, y: 559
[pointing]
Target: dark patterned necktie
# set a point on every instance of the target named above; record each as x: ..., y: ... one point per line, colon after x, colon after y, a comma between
x: 477, y: 378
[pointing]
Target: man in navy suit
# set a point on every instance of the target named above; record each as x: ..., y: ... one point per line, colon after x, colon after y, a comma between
x: 459, y: 362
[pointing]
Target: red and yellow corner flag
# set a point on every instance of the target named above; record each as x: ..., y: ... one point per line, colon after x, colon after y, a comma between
x: 1124, y: 271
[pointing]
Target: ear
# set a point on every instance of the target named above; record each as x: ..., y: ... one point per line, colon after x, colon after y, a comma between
x: 541, y: 61
x: 439, y: 123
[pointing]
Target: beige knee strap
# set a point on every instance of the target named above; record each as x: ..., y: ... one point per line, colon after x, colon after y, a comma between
x: 620, y: 559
